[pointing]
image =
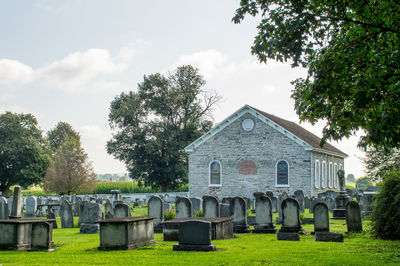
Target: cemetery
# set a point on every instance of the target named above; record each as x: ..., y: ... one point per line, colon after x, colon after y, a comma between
x: 288, y: 229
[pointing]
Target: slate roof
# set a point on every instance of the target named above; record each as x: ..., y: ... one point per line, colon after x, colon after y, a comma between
x: 301, y: 133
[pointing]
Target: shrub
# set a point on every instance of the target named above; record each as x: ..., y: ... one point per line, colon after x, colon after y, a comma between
x: 386, y: 212
x: 169, y: 215
x: 198, y: 213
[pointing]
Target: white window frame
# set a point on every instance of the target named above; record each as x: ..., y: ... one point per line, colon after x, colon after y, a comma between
x: 335, y: 180
x: 317, y: 173
x: 323, y: 174
x: 330, y: 175
x: 220, y: 174
x: 276, y: 174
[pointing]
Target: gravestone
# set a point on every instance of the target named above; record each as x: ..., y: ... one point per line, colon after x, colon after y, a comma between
x: 108, y: 210
x: 353, y: 217
x: 16, y: 203
x: 210, y: 207
x: 226, y: 200
x: 269, y: 194
x: 306, y: 202
x: 183, y: 207
x: 122, y: 210
x: 67, y: 218
x: 31, y: 206
x: 196, y: 204
x: 194, y: 235
x: 167, y: 206
x: 4, y: 211
x: 290, y: 220
x: 155, y: 208
x: 77, y: 207
x: 365, y: 202
x: 248, y: 202
x: 264, y: 222
x: 115, y: 195
x: 239, y: 215
x: 274, y: 204
x: 50, y: 215
x: 341, y: 199
x: 224, y: 210
x: 321, y: 217
x: 281, y: 198
x: 92, y: 212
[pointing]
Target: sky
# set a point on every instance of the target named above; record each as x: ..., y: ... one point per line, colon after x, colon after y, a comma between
x: 66, y: 60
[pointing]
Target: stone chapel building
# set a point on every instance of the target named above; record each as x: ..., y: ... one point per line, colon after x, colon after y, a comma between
x: 255, y: 151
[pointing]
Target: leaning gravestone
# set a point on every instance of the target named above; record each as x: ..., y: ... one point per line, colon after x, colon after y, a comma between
x: 210, y: 207
x: 239, y: 215
x: 321, y: 217
x: 91, y: 214
x: 31, y: 206
x: 67, y: 218
x: 122, y: 210
x: 264, y: 222
x: 353, y: 217
x: 183, y: 207
x: 155, y: 208
x: 108, y: 210
x: 290, y: 220
x: 4, y: 211
x: 195, y: 235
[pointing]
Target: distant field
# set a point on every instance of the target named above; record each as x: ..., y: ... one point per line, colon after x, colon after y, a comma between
x: 73, y: 248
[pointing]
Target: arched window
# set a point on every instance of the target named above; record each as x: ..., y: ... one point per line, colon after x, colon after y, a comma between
x: 330, y: 175
x: 323, y: 175
x: 282, y: 174
x: 335, y: 181
x: 215, y: 173
x: 317, y: 171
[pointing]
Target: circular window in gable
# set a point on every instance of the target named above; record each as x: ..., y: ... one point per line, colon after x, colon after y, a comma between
x: 248, y: 124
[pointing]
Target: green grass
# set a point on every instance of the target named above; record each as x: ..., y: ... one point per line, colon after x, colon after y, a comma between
x: 73, y: 248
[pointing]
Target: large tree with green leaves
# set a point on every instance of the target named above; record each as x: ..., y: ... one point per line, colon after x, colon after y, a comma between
x: 153, y: 125
x: 352, y: 52
x: 24, y: 153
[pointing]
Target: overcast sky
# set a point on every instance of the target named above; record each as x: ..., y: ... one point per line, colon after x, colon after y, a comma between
x: 67, y: 60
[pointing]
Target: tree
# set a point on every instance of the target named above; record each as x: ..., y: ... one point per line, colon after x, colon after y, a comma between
x: 378, y: 161
x: 385, y: 216
x: 70, y: 171
x: 155, y: 123
x: 350, y: 178
x: 24, y: 153
x: 58, y: 135
x: 352, y: 52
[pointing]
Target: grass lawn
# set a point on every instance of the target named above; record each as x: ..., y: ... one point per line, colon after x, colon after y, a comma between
x: 73, y: 248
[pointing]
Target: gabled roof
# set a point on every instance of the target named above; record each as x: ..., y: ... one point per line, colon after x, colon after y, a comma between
x: 290, y: 129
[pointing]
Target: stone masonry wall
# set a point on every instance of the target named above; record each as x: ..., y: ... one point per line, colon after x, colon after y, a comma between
x: 265, y: 146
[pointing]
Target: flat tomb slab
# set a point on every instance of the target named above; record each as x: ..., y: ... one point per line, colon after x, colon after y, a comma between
x: 221, y: 228
x: 126, y: 232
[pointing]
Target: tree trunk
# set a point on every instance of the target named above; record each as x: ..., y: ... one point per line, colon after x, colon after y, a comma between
x: 164, y: 188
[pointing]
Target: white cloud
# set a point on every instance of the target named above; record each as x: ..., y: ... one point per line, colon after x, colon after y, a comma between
x: 7, y: 96
x: 14, y: 72
x: 75, y: 71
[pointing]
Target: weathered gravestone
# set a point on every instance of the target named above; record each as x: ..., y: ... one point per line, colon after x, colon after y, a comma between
x: 290, y: 220
x: 353, y: 217
x: 194, y: 235
x: 264, y: 222
x: 224, y: 210
x: 4, y: 211
x: 31, y: 206
x: 122, y: 210
x: 274, y: 201
x: 108, y: 209
x: 155, y: 208
x: 226, y: 200
x: 196, y: 204
x: 339, y: 212
x: 366, y: 201
x: 210, y: 207
x: 183, y: 207
x: 16, y: 204
x: 51, y: 216
x: 92, y: 212
x: 321, y: 217
x: 239, y: 215
x: 281, y: 198
x: 67, y: 218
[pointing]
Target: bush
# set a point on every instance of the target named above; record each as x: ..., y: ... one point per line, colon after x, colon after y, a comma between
x: 169, y: 215
x: 386, y: 212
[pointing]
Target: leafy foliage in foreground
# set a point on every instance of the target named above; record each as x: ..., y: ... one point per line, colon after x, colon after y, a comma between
x: 352, y: 52
x: 386, y: 212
